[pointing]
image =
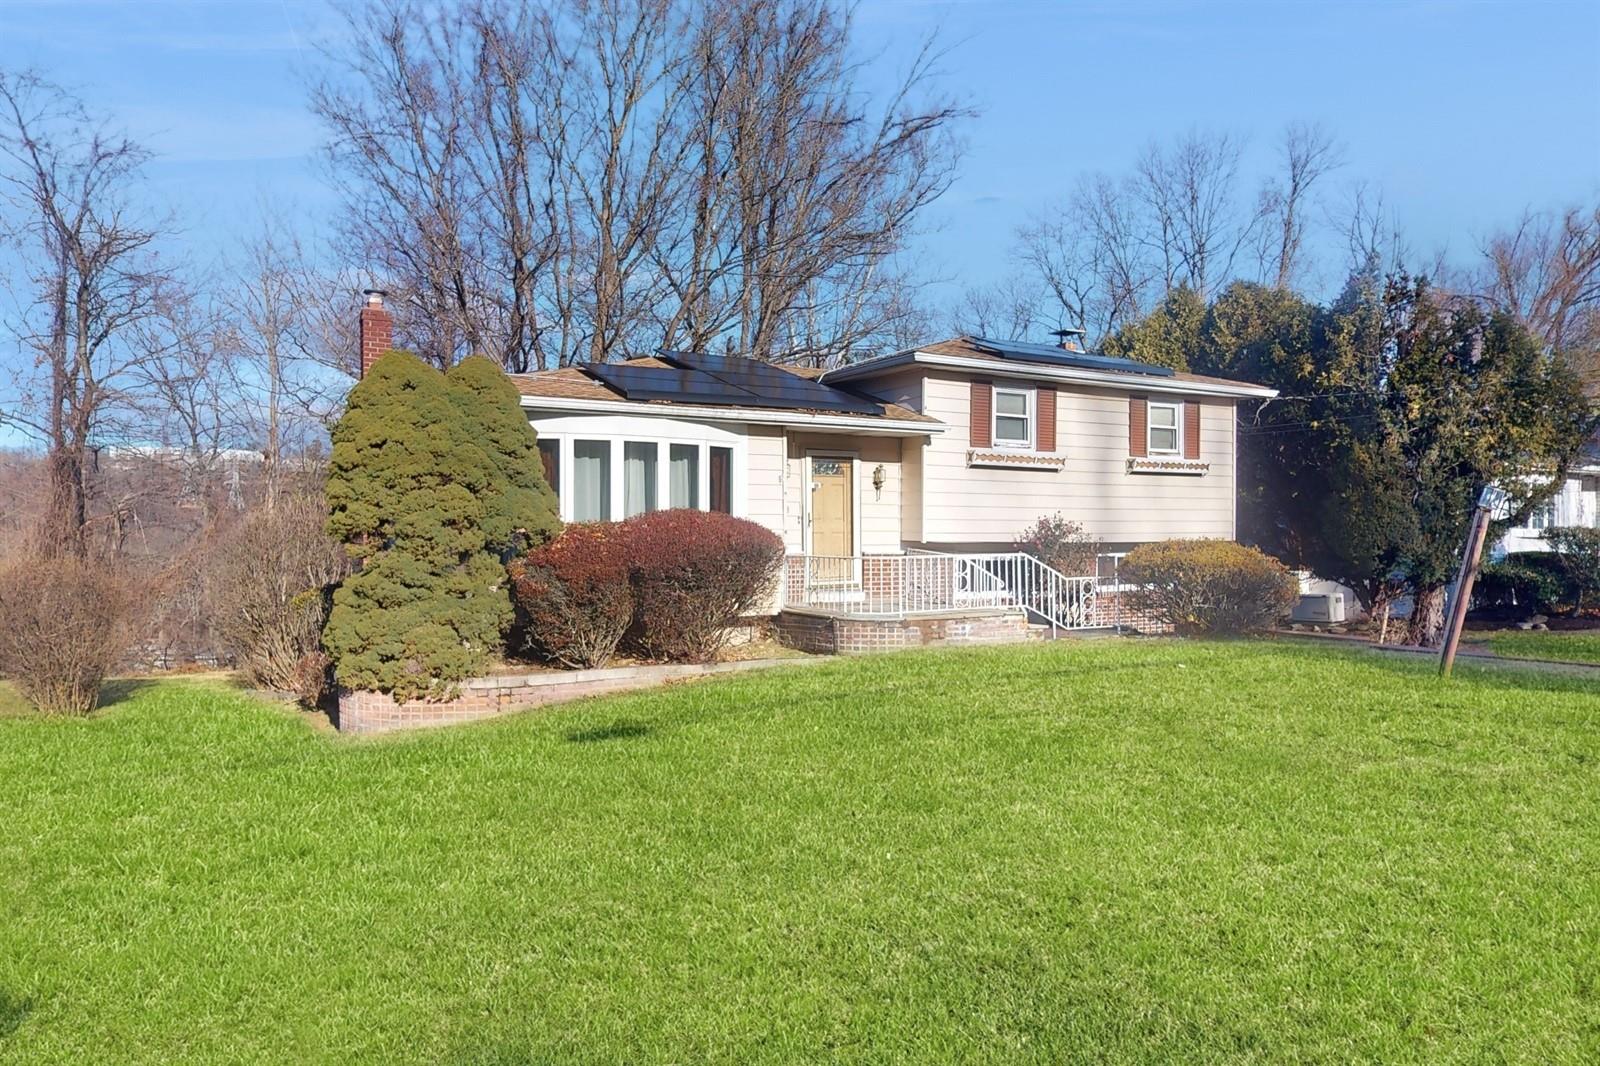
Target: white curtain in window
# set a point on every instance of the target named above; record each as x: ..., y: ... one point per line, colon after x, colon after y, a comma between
x: 638, y: 477
x: 684, y: 474
x: 591, y: 480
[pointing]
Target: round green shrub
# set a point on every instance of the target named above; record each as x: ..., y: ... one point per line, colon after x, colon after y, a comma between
x: 1209, y: 586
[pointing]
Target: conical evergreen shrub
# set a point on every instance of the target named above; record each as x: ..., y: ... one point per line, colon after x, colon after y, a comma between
x: 423, y: 491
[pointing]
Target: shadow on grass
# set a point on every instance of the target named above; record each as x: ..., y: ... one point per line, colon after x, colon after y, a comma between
x: 621, y: 729
x: 13, y: 1012
x: 118, y: 689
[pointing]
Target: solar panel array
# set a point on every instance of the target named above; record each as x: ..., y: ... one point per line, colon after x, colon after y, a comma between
x: 666, y: 383
x: 764, y: 379
x: 729, y: 381
x: 1044, y: 353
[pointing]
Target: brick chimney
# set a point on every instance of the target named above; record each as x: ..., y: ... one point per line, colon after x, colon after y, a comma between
x: 377, y: 329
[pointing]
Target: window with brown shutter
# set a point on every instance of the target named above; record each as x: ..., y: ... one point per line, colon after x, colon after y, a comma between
x: 982, y: 405
x: 1045, y: 436
x: 1138, y: 426
x: 1191, y: 430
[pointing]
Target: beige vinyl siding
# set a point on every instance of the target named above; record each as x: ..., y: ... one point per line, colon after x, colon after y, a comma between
x: 880, y: 511
x: 903, y: 387
x: 972, y: 505
x: 912, y: 450
x: 766, y: 476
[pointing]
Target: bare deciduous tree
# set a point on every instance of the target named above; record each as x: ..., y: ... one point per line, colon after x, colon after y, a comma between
x: 1091, y: 254
x: 1545, y: 269
x: 90, y: 277
x: 287, y: 351
x: 1008, y: 310
x: 574, y: 182
x: 1196, y: 226
x: 1309, y: 154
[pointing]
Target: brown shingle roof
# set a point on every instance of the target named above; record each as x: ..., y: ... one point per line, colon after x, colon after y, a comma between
x: 570, y: 383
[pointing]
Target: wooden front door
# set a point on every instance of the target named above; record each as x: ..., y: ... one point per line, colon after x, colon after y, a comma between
x: 832, y: 505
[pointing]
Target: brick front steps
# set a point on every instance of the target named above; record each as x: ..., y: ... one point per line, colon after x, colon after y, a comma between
x: 486, y: 697
x: 822, y: 633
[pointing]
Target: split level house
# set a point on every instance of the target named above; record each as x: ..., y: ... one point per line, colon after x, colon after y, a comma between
x: 900, y: 482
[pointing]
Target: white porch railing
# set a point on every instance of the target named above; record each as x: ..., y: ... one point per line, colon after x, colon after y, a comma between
x: 898, y: 586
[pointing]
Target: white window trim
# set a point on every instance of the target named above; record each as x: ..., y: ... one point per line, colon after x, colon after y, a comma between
x: 1150, y: 428
x: 1030, y: 401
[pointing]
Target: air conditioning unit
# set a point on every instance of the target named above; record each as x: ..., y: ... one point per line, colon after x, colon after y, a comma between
x: 1319, y: 607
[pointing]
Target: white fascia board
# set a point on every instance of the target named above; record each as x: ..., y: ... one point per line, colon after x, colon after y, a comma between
x: 893, y: 427
x: 1043, y: 372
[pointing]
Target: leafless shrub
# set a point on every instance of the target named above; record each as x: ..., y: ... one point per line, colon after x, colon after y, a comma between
x: 273, y: 570
x: 64, y: 624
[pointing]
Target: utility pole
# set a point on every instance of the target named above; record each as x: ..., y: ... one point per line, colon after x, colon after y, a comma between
x: 1488, y: 502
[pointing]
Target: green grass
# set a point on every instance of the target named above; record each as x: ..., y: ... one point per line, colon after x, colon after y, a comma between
x: 1101, y: 851
x: 1576, y: 647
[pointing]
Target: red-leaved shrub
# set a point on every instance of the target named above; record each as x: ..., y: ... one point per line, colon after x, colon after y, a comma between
x: 695, y: 574
x: 574, y: 596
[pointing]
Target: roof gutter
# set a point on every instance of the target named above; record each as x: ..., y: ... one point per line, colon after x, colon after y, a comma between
x: 1042, y: 372
x: 896, y: 427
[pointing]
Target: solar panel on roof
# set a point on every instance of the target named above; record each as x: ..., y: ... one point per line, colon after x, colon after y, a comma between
x: 1024, y: 352
x: 669, y: 383
x: 776, y: 386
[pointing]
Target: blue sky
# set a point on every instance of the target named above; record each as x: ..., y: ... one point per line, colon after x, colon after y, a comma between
x: 1462, y: 113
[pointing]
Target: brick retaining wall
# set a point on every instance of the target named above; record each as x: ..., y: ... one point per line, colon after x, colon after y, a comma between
x: 823, y: 634
x: 485, y: 697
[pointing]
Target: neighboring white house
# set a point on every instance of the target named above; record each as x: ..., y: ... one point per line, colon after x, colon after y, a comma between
x: 1576, y: 504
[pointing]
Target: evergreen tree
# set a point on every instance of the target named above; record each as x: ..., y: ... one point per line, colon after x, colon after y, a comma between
x: 1167, y: 335
x: 409, y: 489
x: 1398, y: 407
x: 519, y: 510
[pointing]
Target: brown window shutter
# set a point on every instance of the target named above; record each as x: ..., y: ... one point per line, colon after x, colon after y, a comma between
x: 981, y: 433
x: 1191, y: 430
x: 1138, y: 426
x: 1044, y: 437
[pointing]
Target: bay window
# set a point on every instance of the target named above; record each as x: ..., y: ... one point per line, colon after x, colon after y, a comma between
x: 602, y: 471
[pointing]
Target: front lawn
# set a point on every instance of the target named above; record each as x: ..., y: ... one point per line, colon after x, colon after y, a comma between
x: 1581, y: 646
x: 1064, y: 852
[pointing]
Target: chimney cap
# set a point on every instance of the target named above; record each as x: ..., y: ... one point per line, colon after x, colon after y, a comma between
x: 1070, y: 338
x: 374, y: 296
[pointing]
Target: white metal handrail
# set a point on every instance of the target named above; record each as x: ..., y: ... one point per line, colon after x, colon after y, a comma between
x: 920, y: 583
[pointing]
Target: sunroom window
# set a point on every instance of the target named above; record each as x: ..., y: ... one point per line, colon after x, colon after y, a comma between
x: 685, y: 475
x: 591, y: 481
x: 638, y: 477
x: 1013, y: 418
